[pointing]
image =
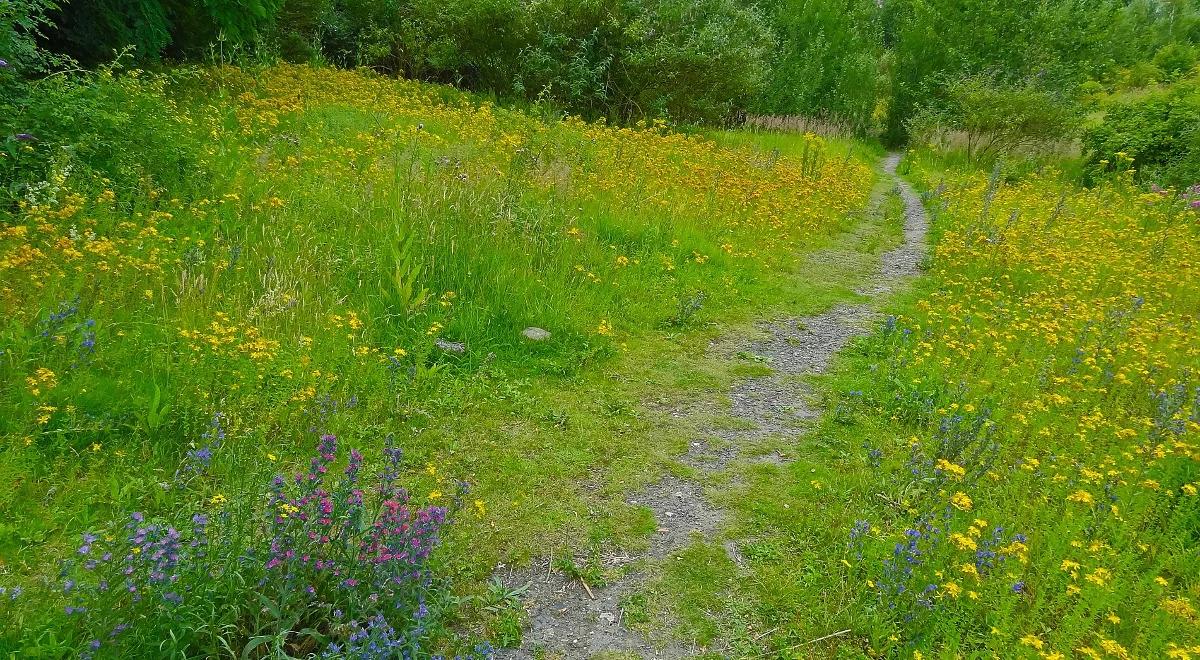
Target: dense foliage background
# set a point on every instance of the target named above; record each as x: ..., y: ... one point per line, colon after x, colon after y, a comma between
x: 867, y: 64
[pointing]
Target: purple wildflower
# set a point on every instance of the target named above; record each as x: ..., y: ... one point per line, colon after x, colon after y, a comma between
x: 202, y: 456
x: 88, y: 540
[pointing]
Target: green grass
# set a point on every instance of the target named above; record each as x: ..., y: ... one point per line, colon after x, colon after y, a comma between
x: 277, y: 254
x: 330, y: 228
x: 1102, y: 494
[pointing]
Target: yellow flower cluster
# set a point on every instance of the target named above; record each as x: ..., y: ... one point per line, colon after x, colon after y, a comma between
x: 1069, y: 318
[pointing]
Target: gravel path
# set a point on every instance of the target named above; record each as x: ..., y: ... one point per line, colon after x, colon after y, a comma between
x: 566, y: 621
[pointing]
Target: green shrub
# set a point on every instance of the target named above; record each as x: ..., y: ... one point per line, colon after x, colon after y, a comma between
x: 828, y: 60
x: 693, y: 60
x: 120, y: 130
x: 93, y: 31
x: 1090, y: 92
x: 1160, y: 133
x: 297, y: 31
x: 1175, y: 59
x: 997, y: 119
x: 570, y: 58
x: 623, y: 60
x: 1058, y: 43
x: 467, y: 42
x: 1139, y: 75
x: 22, y: 23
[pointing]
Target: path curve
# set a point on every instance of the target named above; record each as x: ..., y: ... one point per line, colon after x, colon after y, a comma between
x: 569, y: 620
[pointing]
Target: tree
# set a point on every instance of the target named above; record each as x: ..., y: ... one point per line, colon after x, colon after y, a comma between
x: 828, y: 59
x: 93, y: 31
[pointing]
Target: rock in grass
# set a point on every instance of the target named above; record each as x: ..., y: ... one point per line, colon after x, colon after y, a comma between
x: 533, y: 333
x: 450, y: 346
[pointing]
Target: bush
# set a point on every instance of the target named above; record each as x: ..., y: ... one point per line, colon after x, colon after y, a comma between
x: 118, y: 129
x: 1089, y: 93
x: 997, y: 119
x: 297, y: 32
x: 622, y: 60
x: 92, y: 31
x: 473, y: 43
x: 1158, y: 134
x: 1175, y: 59
x: 1139, y: 75
x: 572, y: 52
x: 22, y: 23
x: 828, y: 60
x: 694, y: 61
x: 1058, y: 43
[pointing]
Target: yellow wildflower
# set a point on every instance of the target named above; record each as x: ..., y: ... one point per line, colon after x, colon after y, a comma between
x: 1082, y: 497
x: 952, y: 469
x: 961, y: 501
x: 963, y: 542
x: 1033, y: 641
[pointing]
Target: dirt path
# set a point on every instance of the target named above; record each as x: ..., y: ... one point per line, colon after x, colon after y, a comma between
x: 569, y: 620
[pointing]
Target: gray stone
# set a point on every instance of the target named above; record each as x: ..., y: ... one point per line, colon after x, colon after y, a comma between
x: 534, y: 333
x: 450, y: 346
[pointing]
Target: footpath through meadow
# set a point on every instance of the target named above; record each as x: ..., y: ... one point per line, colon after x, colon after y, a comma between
x: 569, y: 618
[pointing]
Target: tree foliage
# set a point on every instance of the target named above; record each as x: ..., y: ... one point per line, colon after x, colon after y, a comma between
x: 621, y: 59
x: 1159, y: 135
x: 996, y: 118
x: 870, y: 65
x: 93, y: 31
x: 828, y: 62
x: 1054, y: 45
x: 22, y: 24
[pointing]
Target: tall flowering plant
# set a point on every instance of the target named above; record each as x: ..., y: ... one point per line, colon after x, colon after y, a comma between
x: 363, y: 546
x: 338, y: 556
x: 143, y: 570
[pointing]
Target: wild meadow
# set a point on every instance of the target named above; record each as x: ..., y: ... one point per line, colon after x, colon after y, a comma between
x: 243, y: 371
x: 652, y: 328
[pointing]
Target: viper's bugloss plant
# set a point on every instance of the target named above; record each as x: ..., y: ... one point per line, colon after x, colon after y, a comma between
x: 339, y: 560
x: 355, y: 543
